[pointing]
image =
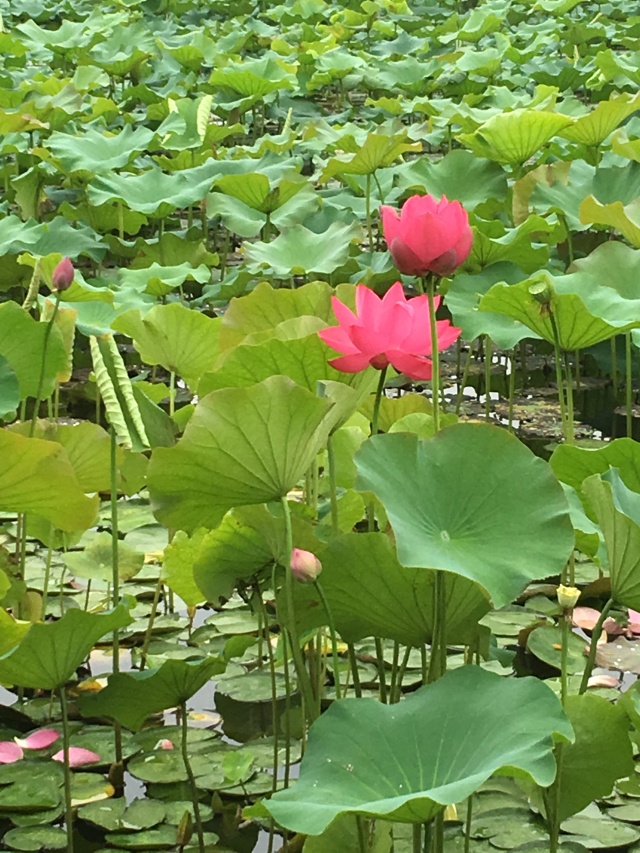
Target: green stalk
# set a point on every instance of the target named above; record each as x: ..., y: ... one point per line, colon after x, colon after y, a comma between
x: 43, y: 363
x: 68, y: 809
x: 118, y: 772
x: 512, y: 389
x: 403, y: 667
x: 614, y: 365
x: 595, y: 634
x: 629, y: 383
x: 371, y: 517
x: 363, y: 844
x: 333, y: 486
x: 47, y: 575
x: 192, y: 779
x: 381, y: 670
x: 416, y: 847
x: 368, y: 212
x: 152, y: 617
x: 467, y: 824
x: 430, y: 286
x: 465, y: 376
x: 334, y: 641
x: 557, y: 357
x: 570, y: 433
x: 301, y: 673
x: 564, y: 654
x: 172, y: 393
x: 487, y: 376
x: 353, y: 663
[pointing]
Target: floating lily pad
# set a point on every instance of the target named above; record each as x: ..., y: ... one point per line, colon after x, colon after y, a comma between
x: 35, y: 838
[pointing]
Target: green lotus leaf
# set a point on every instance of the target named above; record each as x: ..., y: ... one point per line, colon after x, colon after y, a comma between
x: 49, y: 653
x: 371, y: 595
x: 617, y: 510
x: 95, y: 562
x: 242, y: 446
x: 493, y: 243
x: 514, y: 137
x: 377, y: 152
x: 181, y: 340
x: 159, y: 280
x: 456, y: 504
x: 48, y: 237
x: 96, y: 153
x: 37, y: 477
x: 22, y: 345
x: 298, y: 250
x: 405, y: 762
x: 624, y: 218
x: 572, y: 465
x: 9, y: 390
x: 593, y: 128
x: 131, y: 697
x: 584, y: 311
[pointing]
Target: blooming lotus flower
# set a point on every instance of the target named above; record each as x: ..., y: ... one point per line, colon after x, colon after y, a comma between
x: 9, y: 752
x: 39, y: 740
x: 427, y: 235
x: 63, y: 275
x: 78, y: 756
x: 305, y: 566
x: 392, y: 330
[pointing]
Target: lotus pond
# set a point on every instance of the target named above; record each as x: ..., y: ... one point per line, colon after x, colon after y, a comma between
x: 320, y: 481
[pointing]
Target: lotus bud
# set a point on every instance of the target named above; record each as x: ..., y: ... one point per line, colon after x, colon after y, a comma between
x: 63, y: 275
x: 305, y: 566
x: 567, y: 596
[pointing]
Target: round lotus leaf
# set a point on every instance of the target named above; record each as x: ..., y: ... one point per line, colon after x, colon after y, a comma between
x: 629, y: 812
x: 543, y: 847
x: 509, y: 621
x: 90, y: 788
x: 546, y: 644
x: 174, y: 811
x: 600, y: 832
x: 519, y: 833
x: 163, y: 838
x: 629, y: 787
x: 36, y: 838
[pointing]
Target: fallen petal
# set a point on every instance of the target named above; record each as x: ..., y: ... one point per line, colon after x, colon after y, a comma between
x: 78, y: 756
x: 9, y: 752
x: 603, y: 681
x: 39, y: 740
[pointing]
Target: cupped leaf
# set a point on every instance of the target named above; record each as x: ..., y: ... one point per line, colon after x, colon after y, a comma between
x: 49, y: 654
x: 514, y: 137
x: 298, y: 250
x: 37, y: 477
x: 371, y: 595
x: 405, y: 762
x: 455, y: 503
x: 181, y: 340
x: 131, y: 697
x: 617, y: 510
x: 593, y: 128
x: 572, y: 465
x: 242, y: 446
x: 624, y: 218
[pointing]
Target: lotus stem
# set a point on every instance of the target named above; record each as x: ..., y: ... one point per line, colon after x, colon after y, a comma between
x: 628, y: 383
x: 512, y: 388
x: 465, y: 376
x: 467, y: 824
x: 362, y: 835
x: 614, y: 365
x: 371, y: 517
x: 557, y: 357
x: 152, y: 617
x: 488, y: 355
x: 301, y: 673
x: 43, y: 363
x: 333, y: 486
x: 34, y: 286
x: 115, y: 592
x: 68, y: 808
x: 47, y: 574
x: 593, y: 646
x: 172, y: 393
x: 368, y: 211
x: 430, y: 286
x: 353, y: 662
x: 417, y: 838
x: 334, y: 640
x: 274, y: 689
x: 192, y: 779
x: 403, y: 666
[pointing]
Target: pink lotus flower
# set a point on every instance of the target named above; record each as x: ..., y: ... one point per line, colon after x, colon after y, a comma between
x: 63, y: 275
x: 427, y: 235
x: 392, y: 330
x: 305, y: 566
x: 39, y: 740
x: 78, y: 756
x: 9, y: 752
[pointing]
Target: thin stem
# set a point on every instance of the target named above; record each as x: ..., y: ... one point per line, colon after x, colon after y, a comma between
x: 115, y: 576
x: 403, y: 667
x: 367, y: 201
x: 191, y: 777
x: 47, y: 575
x: 371, y: 515
x: 68, y: 809
x: 172, y: 393
x: 593, y: 645
x: 362, y: 835
x: 467, y: 824
x: 152, y: 616
x: 382, y: 686
x: 274, y: 686
x: 417, y: 838
x: 301, y: 673
x: 628, y: 383
x: 333, y: 486
x: 512, y: 389
x: 570, y: 433
x: 334, y: 641
x: 465, y: 376
x: 614, y: 365
x: 353, y: 662
x: 488, y: 354
x: 430, y: 286
x: 564, y: 655
x: 43, y: 363
x: 557, y: 353
x: 438, y: 833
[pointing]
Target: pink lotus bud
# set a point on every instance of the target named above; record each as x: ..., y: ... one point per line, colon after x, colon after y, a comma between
x: 63, y: 275
x: 38, y: 740
x: 78, y: 756
x: 305, y: 566
x: 165, y: 743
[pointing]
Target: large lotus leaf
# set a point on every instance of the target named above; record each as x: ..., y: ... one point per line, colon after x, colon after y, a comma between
x: 45, y: 238
x: 492, y: 243
x: 464, y: 295
x: 181, y: 340
x: 456, y: 503
x: 617, y: 510
x: 153, y: 192
x: 11, y: 632
x: 95, y: 562
x: 266, y: 307
x: 459, y: 175
x: 572, y: 465
x: 247, y: 541
x: 594, y: 128
x: 558, y: 188
x: 305, y: 360
x: 371, y: 595
x: 22, y: 345
x: 158, y: 280
x: 514, y: 137
x: 298, y: 250
x: 9, y: 390
x: 253, y: 78
x: 242, y: 446
x: 36, y: 476
x: 49, y: 653
x: 616, y: 266
x: 131, y: 697
x: 624, y: 218
x: 585, y: 313
x: 256, y: 191
x: 600, y: 754
x: 405, y: 762
x: 95, y: 153
x: 377, y: 152
x: 88, y: 449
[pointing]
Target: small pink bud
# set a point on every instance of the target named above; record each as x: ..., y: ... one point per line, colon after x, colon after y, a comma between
x: 63, y: 275
x: 305, y: 566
